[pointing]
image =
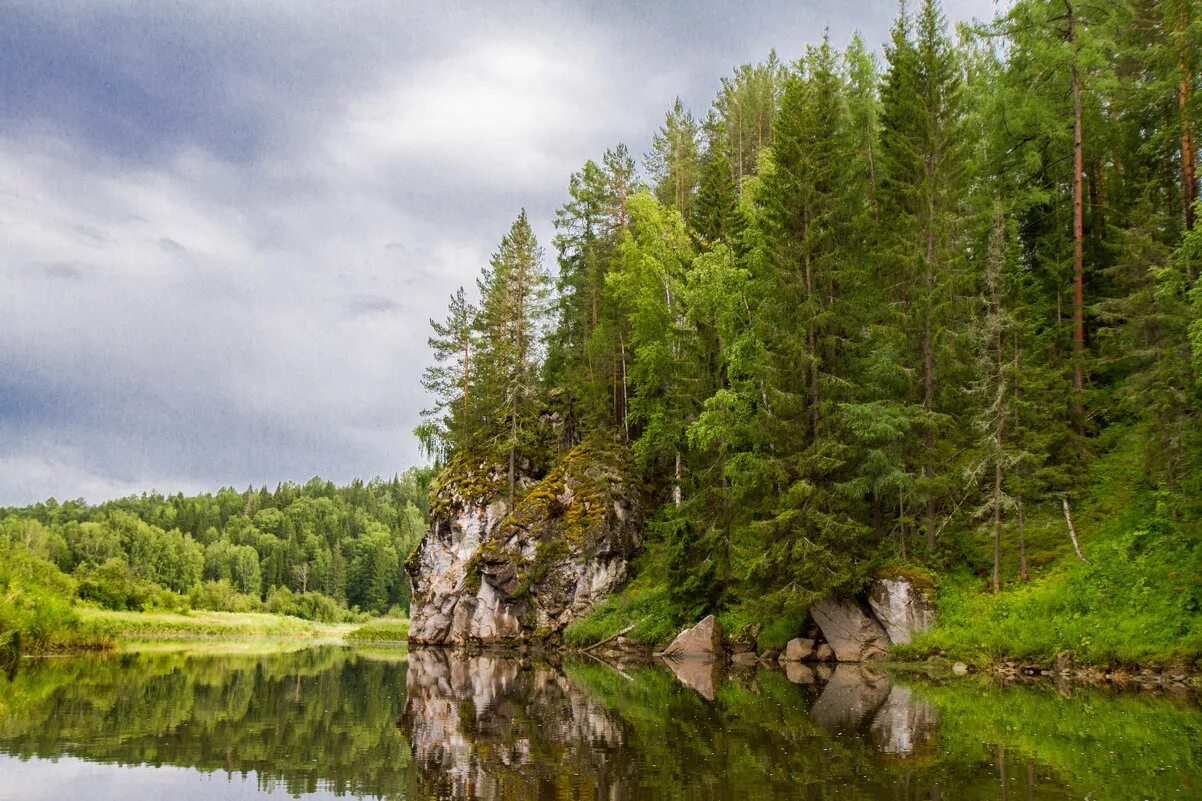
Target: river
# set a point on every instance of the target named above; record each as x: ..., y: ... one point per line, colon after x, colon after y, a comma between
x: 265, y: 721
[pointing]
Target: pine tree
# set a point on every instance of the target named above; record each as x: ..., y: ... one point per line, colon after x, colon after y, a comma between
x: 449, y: 379
x: 514, y: 290
x: 672, y: 163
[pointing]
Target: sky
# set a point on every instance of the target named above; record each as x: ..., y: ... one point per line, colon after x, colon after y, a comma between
x: 224, y: 226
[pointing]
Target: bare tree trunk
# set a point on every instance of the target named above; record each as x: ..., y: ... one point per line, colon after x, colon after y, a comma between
x: 1078, y: 239
x: 997, y: 524
x: 513, y: 440
x: 1022, y: 544
x: 928, y: 362
x: 1072, y: 532
x: 677, y: 492
x: 466, y: 355
x: 1189, y: 179
x: 811, y: 342
x: 625, y: 395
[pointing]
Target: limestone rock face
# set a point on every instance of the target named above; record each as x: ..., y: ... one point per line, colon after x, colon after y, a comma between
x: 703, y: 641
x: 488, y: 574
x: 852, y: 632
x: 902, y: 607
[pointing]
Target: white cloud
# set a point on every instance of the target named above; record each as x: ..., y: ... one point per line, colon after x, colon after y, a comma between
x: 507, y: 113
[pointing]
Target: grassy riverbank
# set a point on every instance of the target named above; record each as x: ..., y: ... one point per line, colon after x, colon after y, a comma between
x: 198, y: 624
x: 381, y: 630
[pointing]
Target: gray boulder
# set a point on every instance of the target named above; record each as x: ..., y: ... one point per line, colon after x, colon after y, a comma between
x: 703, y: 641
x: 852, y: 632
x: 901, y: 607
x: 798, y: 650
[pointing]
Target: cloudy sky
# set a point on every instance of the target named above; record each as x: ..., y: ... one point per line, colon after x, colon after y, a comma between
x: 224, y: 225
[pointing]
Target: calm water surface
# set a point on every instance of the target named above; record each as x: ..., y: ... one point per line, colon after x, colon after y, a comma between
x: 333, y: 722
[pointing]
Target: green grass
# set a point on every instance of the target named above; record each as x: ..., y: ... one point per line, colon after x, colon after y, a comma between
x: 1136, y: 601
x: 382, y: 630
x: 644, y: 602
x: 197, y: 624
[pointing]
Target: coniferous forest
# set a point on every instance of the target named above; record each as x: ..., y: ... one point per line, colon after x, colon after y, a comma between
x: 935, y: 311
x: 315, y: 551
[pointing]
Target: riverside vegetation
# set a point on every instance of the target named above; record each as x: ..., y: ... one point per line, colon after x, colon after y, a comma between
x: 292, y: 562
x: 934, y: 316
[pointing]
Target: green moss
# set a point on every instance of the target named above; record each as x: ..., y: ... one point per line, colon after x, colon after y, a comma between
x: 470, y: 478
x: 575, y: 500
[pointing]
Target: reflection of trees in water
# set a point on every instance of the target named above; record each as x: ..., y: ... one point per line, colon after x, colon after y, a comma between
x: 484, y: 727
x: 318, y: 718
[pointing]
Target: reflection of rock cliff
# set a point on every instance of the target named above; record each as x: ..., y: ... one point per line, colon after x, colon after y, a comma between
x: 488, y: 574
x: 490, y: 728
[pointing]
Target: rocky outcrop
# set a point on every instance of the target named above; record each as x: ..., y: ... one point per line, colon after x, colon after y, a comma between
x: 902, y: 606
x: 488, y: 574
x: 798, y: 650
x: 852, y: 632
x: 704, y: 641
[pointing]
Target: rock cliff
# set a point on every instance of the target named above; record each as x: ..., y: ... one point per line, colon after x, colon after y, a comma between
x: 488, y: 574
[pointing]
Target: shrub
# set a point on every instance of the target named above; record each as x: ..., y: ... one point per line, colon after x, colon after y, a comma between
x: 220, y: 596
x: 36, y: 612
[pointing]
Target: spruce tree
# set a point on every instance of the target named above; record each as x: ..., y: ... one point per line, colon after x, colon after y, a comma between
x: 514, y: 290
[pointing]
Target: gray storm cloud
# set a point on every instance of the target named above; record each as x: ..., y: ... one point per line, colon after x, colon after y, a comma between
x: 225, y: 226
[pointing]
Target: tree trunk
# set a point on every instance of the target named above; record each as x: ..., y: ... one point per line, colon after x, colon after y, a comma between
x: 1185, y: 88
x: 1022, y: 545
x: 466, y: 355
x: 1072, y: 532
x: 677, y: 492
x: 928, y: 375
x: 1078, y: 240
x: 997, y: 514
x: 811, y: 341
x: 513, y: 441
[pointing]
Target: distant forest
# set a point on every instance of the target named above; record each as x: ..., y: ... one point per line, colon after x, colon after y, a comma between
x: 314, y: 550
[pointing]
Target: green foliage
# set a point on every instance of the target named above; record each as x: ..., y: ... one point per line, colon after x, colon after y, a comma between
x: 222, y: 596
x: 36, y: 613
x: 329, y: 547
x: 1136, y: 601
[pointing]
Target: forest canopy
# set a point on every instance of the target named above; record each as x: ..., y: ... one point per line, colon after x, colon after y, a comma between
x: 315, y: 550
x: 865, y: 310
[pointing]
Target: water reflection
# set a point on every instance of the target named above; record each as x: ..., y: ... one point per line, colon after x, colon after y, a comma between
x: 492, y: 728
x: 337, y: 722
